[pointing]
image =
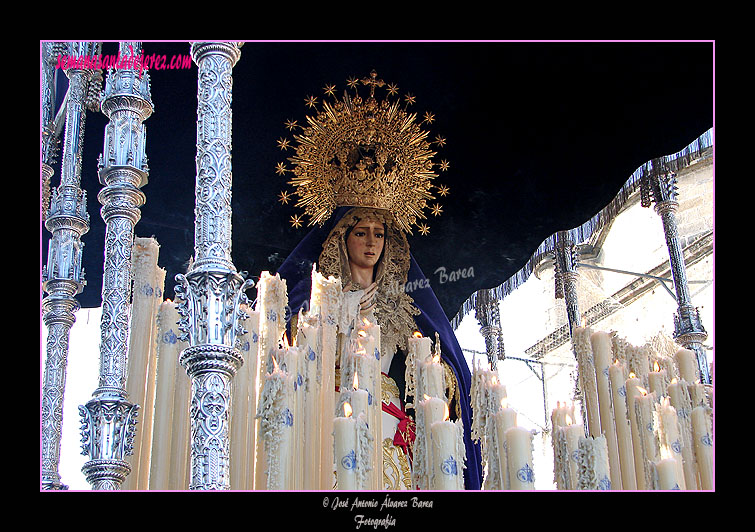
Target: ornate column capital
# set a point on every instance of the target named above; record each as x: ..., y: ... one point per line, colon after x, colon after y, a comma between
x: 229, y: 50
x: 108, y: 427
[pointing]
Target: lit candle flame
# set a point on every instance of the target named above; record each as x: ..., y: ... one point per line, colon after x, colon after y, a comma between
x: 362, y: 333
x: 493, y: 380
x: 426, y: 397
x: 356, y: 381
x: 446, y: 413
x: 674, y: 380
x: 504, y: 403
x: 666, y: 452
x: 656, y: 367
x: 569, y: 420
x: 366, y: 322
x: 632, y: 375
x: 417, y: 334
x: 275, y: 364
x: 436, y: 358
x: 584, y: 322
x: 347, y: 409
x: 286, y: 345
x: 643, y: 391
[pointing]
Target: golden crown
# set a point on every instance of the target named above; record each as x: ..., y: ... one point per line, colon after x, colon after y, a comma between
x: 362, y: 152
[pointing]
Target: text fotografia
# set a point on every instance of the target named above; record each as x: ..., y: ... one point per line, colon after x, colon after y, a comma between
x: 130, y: 61
x: 387, y: 520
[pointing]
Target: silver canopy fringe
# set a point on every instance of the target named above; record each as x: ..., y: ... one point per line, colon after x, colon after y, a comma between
x: 581, y: 234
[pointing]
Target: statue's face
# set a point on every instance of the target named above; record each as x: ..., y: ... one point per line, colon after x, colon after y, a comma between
x: 365, y: 243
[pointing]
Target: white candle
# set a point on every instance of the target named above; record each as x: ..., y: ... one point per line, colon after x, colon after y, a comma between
x: 430, y: 410
x: 572, y: 434
x: 170, y: 408
x: 644, y: 408
x: 671, y: 440
x: 448, y: 462
x: 344, y: 453
x: 632, y: 387
x: 593, y: 464
x: 703, y: 437
x: 326, y: 306
x: 497, y: 392
x: 503, y: 419
x: 680, y: 400
x: 419, y: 352
x: 686, y: 364
x: 601, y: 347
x: 666, y: 472
x: 431, y: 377
x: 697, y: 394
x: 308, y: 340
x: 519, y: 450
x: 276, y: 415
x: 586, y: 368
x: 419, y: 346
x: 623, y: 430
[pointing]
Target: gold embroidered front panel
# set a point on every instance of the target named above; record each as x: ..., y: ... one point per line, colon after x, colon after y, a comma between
x: 397, y: 474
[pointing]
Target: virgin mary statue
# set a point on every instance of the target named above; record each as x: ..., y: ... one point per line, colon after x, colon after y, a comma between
x: 363, y: 172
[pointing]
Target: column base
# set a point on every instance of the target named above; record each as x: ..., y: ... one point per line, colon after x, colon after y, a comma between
x: 106, y: 474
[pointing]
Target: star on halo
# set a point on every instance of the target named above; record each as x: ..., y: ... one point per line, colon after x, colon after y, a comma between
x: 429, y: 117
x: 280, y: 169
x: 296, y: 221
x: 440, y: 141
x: 410, y: 99
x: 443, y: 190
x: 291, y: 124
x: 329, y: 90
x: 443, y: 165
x: 392, y: 89
x: 283, y: 144
x: 310, y: 101
x: 424, y: 229
x: 284, y: 197
x: 436, y: 209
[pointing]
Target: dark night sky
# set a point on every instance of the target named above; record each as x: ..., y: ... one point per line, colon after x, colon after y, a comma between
x: 540, y: 136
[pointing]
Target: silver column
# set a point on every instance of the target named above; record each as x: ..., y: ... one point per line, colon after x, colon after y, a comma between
x: 488, y: 316
x: 63, y: 275
x: 565, y: 258
x: 660, y: 186
x: 108, y: 419
x: 210, y: 295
